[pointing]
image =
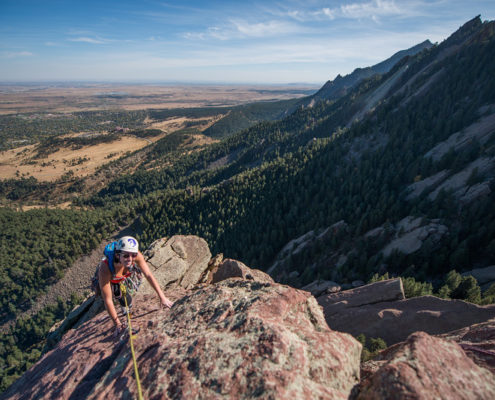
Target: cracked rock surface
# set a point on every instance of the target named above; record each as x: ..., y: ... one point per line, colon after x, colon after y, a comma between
x: 237, y: 338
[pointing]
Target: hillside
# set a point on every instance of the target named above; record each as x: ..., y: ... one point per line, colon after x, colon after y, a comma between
x: 359, y: 159
x: 396, y: 176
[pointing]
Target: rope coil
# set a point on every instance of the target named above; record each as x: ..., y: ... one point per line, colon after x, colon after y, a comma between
x: 131, y: 337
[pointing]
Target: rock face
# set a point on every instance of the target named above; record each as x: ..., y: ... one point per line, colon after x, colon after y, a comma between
x: 411, y: 235
x: 232, y: 332
x: 237, y: 338
x: 425, y: 367
x: 177, y: 262
x: 377, y: 310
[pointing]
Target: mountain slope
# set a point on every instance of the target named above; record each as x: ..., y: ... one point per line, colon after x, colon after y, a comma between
x: 341, y: 85
x: 314, y: 172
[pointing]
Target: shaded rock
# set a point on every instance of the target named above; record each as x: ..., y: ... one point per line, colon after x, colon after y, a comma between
x: 377, y: 292
x: 178, y: 261
x: 56, y: 332
x: 318, y: 288
x: 416, y: 188
x: 425, y: 367
x: 473, y: 192
x: 410, y: 235
x: 482, y: 275
x: 235, y: 269
x: 478, y: 342
x: 238, y: 339
x: 481, y: 130
x: 394, y: 321
x: 213, y: 265
x: 457, y: 183
x: 305, y: 242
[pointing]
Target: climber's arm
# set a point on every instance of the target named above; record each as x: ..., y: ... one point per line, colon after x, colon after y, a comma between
x: 104, y: 277
x: 143, y: 266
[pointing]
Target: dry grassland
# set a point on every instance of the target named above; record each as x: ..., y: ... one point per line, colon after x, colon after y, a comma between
x: 57, y: 164
x: 15, y: 162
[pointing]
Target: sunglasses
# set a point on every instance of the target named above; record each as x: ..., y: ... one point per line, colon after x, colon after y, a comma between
x: 128, y: 255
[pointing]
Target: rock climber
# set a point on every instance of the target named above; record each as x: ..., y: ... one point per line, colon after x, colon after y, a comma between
x: 126, y: 265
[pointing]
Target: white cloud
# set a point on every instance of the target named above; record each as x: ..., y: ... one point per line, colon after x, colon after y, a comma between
x: 238, y: 28
x: 86, y: 39
x: 372, y: 9
x: 329, y: 13
x: 263, y: 28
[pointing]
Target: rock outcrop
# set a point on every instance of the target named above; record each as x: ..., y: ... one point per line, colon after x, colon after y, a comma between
x: 380, y: 310
x: 232, y: 332
x: 478, y: 342
x: 426, y: 367
x: 177, y: 262
x: 235, y: 269
x: 236, y: 338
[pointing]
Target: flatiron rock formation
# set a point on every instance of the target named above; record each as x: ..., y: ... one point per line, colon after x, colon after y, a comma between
x: 237, y: 338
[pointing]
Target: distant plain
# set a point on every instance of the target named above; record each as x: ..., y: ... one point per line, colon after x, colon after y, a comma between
x: 63, y: 98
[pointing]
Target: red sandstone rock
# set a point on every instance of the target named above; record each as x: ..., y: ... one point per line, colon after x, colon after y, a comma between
x: 230, y: 268
x: 478, y: 342
x: 394, y: 321
x: 425, y: 367
x: 177, y: 262
x: 235, y: 339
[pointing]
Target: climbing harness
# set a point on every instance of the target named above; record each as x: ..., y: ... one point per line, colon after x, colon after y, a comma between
x: 131, y: 337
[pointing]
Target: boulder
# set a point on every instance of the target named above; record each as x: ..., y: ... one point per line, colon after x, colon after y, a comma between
x: 426, y: 367
x: 177, y: 262
x: 239, y: 339
x: 235, y: 269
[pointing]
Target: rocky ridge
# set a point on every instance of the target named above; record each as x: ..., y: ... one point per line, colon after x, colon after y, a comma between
x: 234, y: 332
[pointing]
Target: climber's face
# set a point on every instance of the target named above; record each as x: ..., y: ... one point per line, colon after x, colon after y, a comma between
x: 127, y: 258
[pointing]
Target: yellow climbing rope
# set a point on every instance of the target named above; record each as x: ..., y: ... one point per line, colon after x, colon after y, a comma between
x: 131, y: 337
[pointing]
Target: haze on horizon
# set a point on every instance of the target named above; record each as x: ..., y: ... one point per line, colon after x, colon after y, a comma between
x: 216, y: 41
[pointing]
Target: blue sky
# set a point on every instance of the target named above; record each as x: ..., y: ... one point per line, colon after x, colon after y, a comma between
x: 216, y: 41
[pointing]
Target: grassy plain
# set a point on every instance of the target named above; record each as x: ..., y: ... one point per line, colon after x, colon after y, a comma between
x: 61, y: 98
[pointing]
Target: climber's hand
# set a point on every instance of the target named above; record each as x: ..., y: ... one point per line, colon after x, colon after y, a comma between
x: 167, y: 303
x: 119, y: 330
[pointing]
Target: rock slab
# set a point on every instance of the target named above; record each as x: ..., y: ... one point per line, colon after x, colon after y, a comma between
x: 372, y: 310
x: 237, y: 339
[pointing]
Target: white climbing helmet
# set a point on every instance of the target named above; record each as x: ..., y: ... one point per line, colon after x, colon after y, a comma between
x: 127, y: 243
